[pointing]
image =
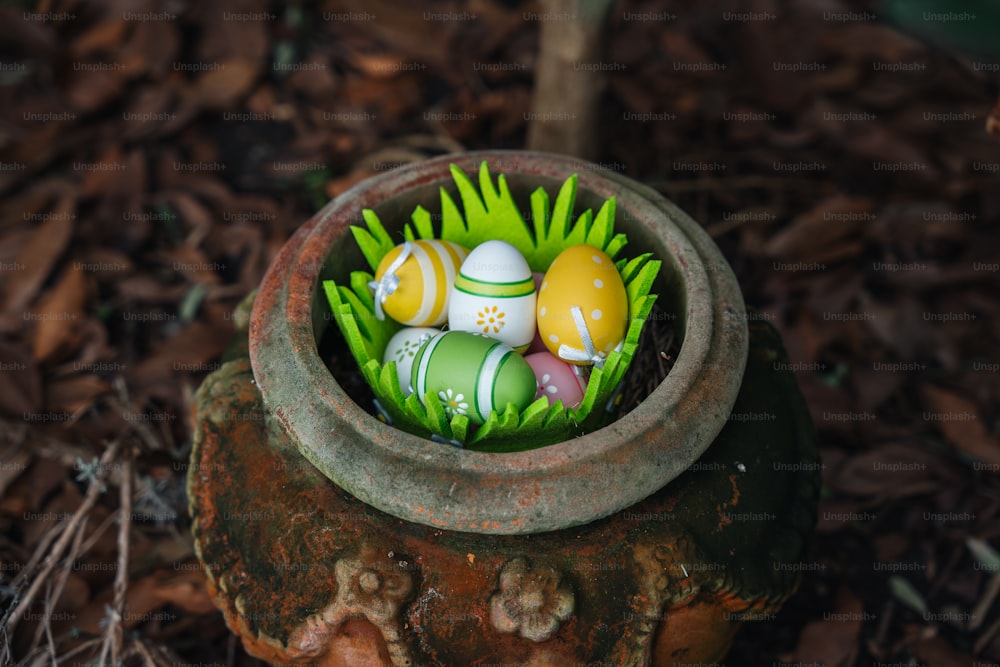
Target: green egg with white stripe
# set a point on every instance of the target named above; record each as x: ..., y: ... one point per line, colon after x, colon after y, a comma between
x: 472, y: 375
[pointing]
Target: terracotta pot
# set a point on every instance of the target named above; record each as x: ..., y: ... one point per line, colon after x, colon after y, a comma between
x: 636, y: 544
x: 562, y: 485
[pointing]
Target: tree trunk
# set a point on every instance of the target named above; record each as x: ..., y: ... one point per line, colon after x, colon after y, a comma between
x: 568, y: 83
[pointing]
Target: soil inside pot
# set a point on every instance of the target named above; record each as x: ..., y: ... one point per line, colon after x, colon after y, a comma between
x: 654, y: 357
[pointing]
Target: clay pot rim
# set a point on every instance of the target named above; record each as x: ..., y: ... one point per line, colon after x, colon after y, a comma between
x: 557, y: 486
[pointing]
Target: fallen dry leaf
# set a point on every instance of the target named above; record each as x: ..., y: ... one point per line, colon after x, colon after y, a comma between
x: 218, y: 88
x: 192, y: 263
x: 192, y: 347
x: 92, y: 88
x: 833, y: 640
x: 959, y: 421
x: 890, y: 470
x: 937, y: 651
x: 146, y: 595
x: 59, y: 314
x: 14, y: 464
x: 195, y: 215
x: 993, y: 122
x: 75, y: 394
x: 810, y: 236
x: 104, y: 36
x: 20, y: 381
x: 38, y: 256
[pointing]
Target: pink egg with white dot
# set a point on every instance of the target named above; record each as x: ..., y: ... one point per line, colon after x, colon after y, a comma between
x: 557, y: 380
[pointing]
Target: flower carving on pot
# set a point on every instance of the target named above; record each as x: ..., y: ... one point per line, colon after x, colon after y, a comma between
x: 368, y: 589
x: 532, y: 601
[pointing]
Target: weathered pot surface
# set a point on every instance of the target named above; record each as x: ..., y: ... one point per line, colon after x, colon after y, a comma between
x: 550, y: 488
x: 304, y: 572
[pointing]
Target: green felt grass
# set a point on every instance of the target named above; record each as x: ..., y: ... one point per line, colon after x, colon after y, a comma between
x: 489, y: 212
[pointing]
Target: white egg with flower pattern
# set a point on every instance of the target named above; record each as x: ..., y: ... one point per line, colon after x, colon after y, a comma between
x: 494, y: 294
x: 402, y: 349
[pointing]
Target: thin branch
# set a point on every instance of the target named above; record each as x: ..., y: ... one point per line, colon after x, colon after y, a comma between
x: 10, y: 619
x: 152, y: 655
x: 42, y: 445
x: 121, y: 405
x: 114, y: 632
x: 52, y: 595
x: 147, y: 658
x: 985, y: 602
x: 87, y: 645
x: 35, y: 657
x: 986, y: 638
x: 121, y: 576
x: 51, y: 642
x: 97, y: 533
x: 41, y: 551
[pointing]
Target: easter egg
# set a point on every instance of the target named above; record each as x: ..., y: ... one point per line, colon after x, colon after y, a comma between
x: 402, y: 348
x: 413, y: 282
x: 494, y: 295
x: 472, y: 375
x: 556, y: 379
x: 582, y: 306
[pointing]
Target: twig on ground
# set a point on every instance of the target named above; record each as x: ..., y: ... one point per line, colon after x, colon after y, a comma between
x: 82, y: 648
x: 121, y: 404
x: 985, y: 602
x: 121, y: 576
x: 42, y: 444
x: 47, y: 627
x: 97, y: 532
x: 75, y: 523
x: 41, y: 551
x: 986, y: 638
x: 114, y: 632
x: 53, y: 594
x: 877, y: 643
x: 154, y: 656
x: 139, y: 647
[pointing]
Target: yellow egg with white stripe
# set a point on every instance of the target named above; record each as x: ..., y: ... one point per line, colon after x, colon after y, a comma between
x: 413, y: 282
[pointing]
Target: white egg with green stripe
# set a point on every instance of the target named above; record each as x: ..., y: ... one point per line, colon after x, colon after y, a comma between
x: 472, y: 375
x: 494, y: 294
